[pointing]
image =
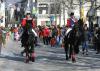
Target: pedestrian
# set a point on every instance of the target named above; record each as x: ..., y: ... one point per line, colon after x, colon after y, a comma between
x: 52, y: 42
x: 58, y: 36
x: 1, y: 40
x: 3, y: 36
x: 16, y: 34
x: 46, y: 33
x: 12, y: 33
x: 86, y: 40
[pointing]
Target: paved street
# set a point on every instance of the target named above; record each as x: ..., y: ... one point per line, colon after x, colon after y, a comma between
x: 51, y: 13
x: 47, y: 59
x: 12, y: 1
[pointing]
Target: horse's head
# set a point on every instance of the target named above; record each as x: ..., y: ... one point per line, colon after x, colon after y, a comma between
x: 75, y: 27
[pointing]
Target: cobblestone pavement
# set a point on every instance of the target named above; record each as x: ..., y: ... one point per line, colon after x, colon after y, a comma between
x: 47, y: 59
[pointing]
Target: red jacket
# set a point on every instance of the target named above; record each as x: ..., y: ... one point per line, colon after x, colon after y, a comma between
x: 46, y: 32
x: 69, y: 22
x: 23, y: 23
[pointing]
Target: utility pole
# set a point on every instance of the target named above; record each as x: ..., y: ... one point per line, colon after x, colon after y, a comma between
x: 55, y: 4
x: 96, y: 10
x: 60, y: 15
x: 64, y: 13
x: 80, y: 8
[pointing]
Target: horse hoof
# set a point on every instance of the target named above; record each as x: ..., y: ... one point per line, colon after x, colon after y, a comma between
x: 32, y: 59
x: 67, y: 58
x: 27, y: 60
x: 73, y: 60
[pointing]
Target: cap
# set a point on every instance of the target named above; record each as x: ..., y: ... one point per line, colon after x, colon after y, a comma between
x: 27, y: 12
x: 72, y: 13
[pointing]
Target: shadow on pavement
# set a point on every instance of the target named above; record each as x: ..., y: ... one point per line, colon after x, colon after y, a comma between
x: 13, y: 58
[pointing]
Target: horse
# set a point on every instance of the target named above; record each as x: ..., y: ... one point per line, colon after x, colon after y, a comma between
x: 71, y: 42
x: 28, y: 41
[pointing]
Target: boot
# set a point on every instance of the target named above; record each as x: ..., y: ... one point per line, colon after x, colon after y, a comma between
x: 32, y: 57
x: 67, y: 57
x: 73, y: 58
x: 27, y: 60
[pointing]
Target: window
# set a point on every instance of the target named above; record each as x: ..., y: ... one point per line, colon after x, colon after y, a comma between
x: 43, y: 8
x: 54, y: 8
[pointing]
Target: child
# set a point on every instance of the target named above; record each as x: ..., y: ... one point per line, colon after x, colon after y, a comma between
x: 53, y: 42
x: 85, y: 42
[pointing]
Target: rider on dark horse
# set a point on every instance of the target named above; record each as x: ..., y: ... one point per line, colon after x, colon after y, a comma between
x: 70, y: 38
x: 69, y: 43
x: 28, y: 37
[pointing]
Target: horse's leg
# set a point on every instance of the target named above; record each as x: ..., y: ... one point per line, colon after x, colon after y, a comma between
x: 76, y: 48
x: 70, y: 50
x: 27, y: 54
x: 66, y: 50
x: 73, y: 54
x: 32, y: 54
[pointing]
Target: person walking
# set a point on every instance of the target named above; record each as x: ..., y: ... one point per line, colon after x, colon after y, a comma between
x: 46, y: 34
x: 86, y: 38
x: 1, y: 40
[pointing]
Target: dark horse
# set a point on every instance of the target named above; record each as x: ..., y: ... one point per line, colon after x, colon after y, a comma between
x: 72, y: 42
x: 27, y: 40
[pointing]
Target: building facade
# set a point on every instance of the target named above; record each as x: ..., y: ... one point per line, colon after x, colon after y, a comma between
x: 2, y: 13
x: 53, y: 12
x: 48, y: 12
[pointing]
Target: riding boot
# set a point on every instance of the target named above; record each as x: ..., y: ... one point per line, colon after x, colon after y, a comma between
x: 27, y: 60
x: 22, y: 52
x: 32, y: 57
x: 67, y: 57
x: 73, y: 57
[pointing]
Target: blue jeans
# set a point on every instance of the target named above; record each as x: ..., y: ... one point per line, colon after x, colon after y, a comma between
x: 85, y: 46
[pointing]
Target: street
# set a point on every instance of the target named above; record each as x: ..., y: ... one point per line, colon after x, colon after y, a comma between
x: 47, y: 59
x: 51, y: 20
x: 12, y: 1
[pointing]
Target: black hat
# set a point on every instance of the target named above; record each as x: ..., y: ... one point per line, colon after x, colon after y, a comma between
x: 28, y: 13
x: 71, y: 14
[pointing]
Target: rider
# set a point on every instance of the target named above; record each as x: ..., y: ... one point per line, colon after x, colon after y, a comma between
x: 68, y: 38
x: 27, y: 19
x: 72, y: 20
x: 28, y: 24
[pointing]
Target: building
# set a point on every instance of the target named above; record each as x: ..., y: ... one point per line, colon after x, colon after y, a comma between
x: 56, y: 12
x: 2, y: 13
x: 48, y: 12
